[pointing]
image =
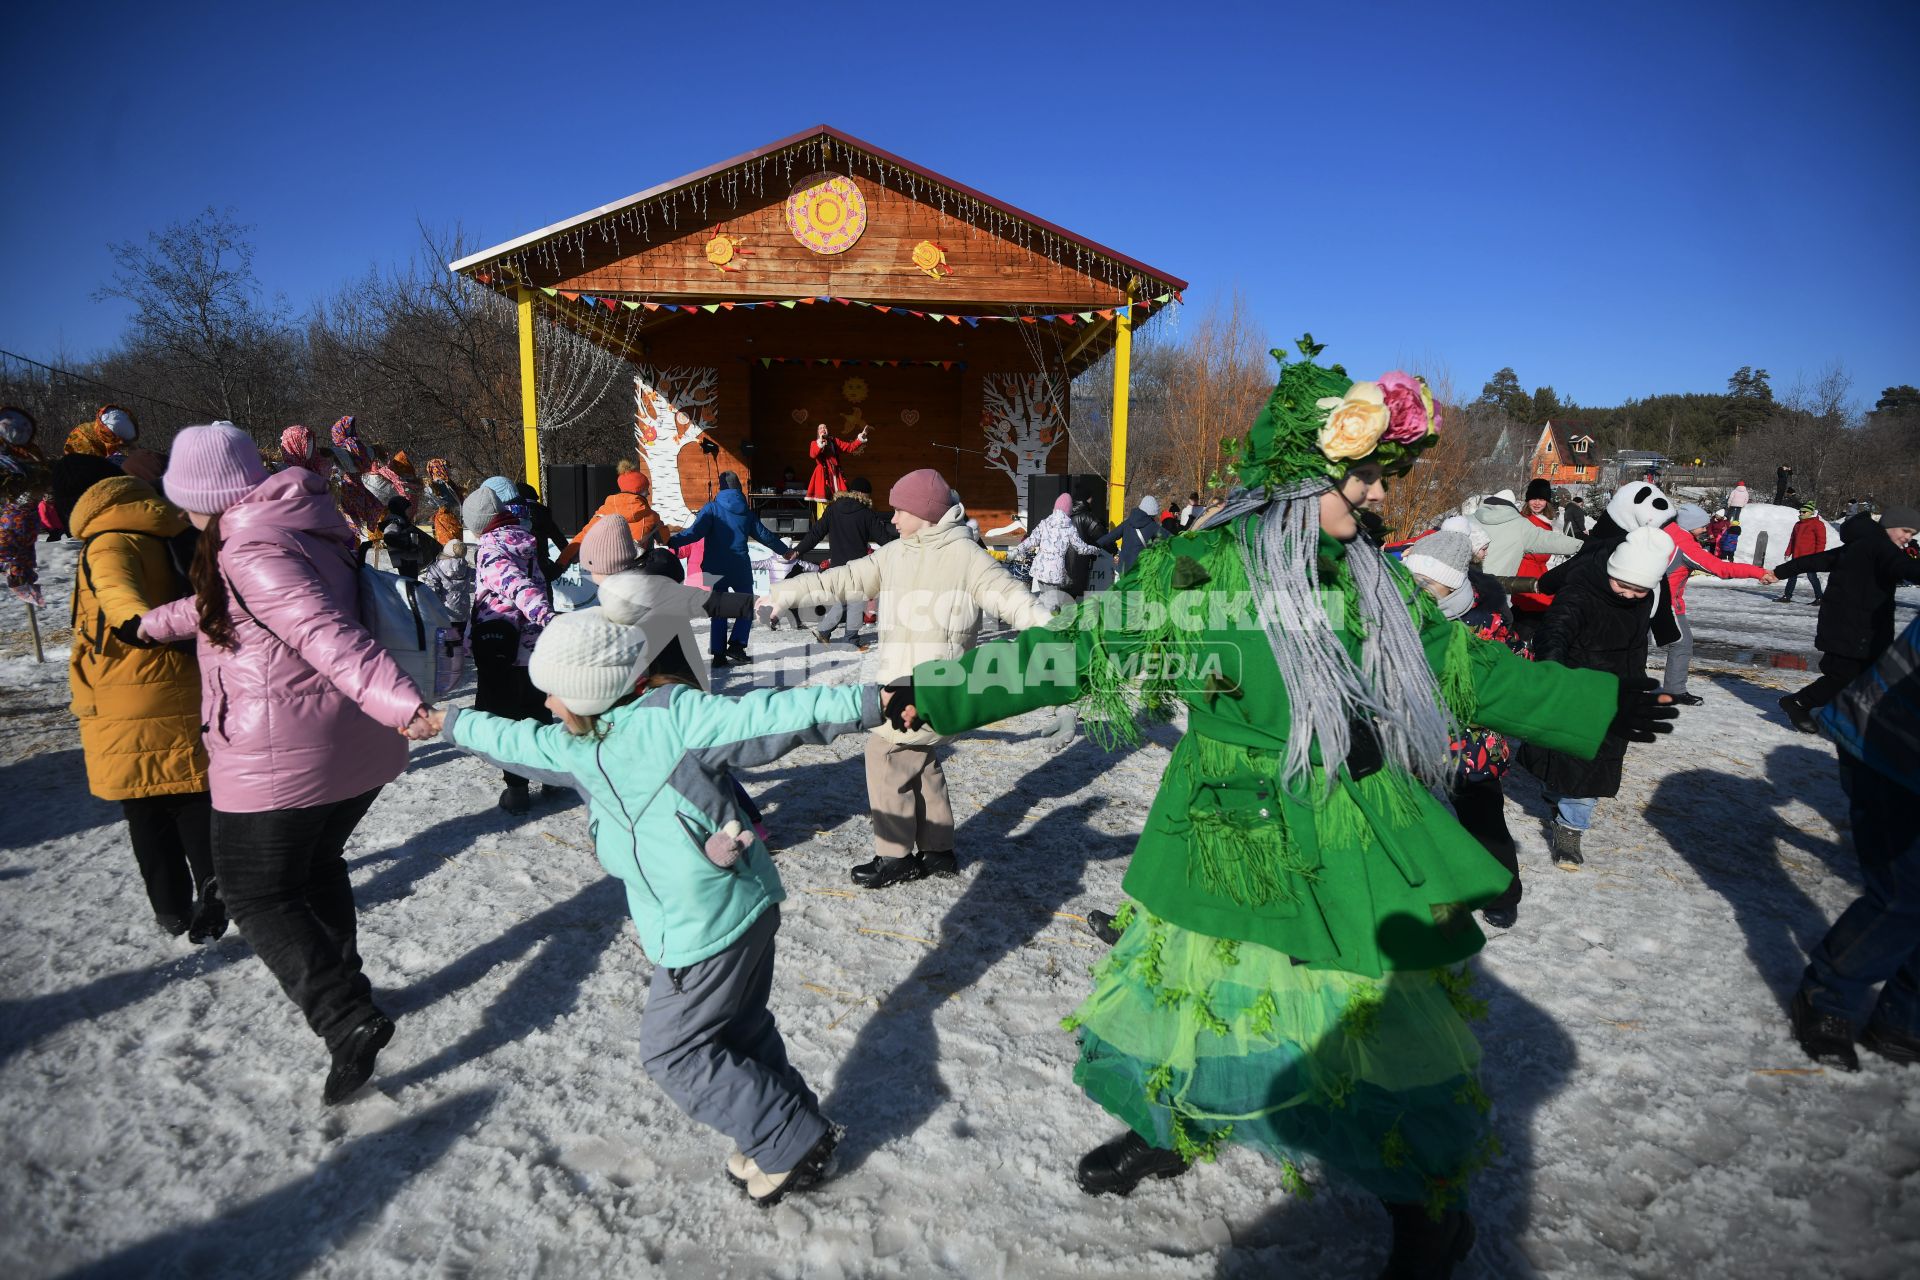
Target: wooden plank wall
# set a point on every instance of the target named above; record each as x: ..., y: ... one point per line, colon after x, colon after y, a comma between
x: 986, y: 268
x: 757, y: 404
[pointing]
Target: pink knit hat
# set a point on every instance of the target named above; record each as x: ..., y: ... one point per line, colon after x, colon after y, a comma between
x: 212, y: 467
x: 608, y: 547
x: 921, y: 493
x: 1063, y: 503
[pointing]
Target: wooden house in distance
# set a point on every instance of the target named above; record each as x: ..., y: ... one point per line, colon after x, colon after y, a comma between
x: 820, y: 279
x: 1565, y: 455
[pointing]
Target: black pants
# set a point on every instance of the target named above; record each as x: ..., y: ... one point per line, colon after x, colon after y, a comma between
x: 1836, y: 673
x: 503, y: 688
x: 171, y: 844
x: 285, y: 882
x: 1482, y: 808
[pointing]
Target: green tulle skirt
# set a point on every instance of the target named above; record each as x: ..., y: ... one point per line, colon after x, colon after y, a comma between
x: 1194, y: 1041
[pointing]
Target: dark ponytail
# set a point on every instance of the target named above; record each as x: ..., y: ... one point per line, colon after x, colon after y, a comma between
x: 210, y: 589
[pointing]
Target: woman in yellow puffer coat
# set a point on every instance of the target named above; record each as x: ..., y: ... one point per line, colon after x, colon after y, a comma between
x: 139, y: 703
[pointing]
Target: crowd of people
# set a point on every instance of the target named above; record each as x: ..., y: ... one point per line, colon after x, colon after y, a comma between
x: 1327, y: 842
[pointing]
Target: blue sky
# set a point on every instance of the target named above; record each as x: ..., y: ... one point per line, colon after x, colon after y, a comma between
x: 1616, y: 200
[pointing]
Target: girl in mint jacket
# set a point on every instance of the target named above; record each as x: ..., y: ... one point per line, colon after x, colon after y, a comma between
x: 653, y: 764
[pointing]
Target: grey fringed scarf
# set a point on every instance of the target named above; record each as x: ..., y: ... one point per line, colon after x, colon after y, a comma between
x: 1392, y: 686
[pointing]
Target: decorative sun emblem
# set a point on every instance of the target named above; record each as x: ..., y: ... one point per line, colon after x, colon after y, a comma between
x: 932, y: 259
x: 827, y: 213
x: 724, y: 251
x: 854, y: 389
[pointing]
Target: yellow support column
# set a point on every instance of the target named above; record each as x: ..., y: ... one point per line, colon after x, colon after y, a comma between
x: 529, y: 409
x: 1122, y: 376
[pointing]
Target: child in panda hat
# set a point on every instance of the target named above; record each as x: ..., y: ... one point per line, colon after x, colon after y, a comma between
x: 651, y: 762
x: 1637, y: 505
x: 1600, y: 621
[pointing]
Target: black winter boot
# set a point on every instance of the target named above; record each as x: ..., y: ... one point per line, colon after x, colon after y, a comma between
x: 1424, y: 1249
x: 1827, y: 1038
x: 1798, y: 712
x: 1566, y: 847
x: 1896, y: 1048
x: 1123, y: 1164
x: 515, y: 800
x: 209, y: 914
x: 768, y: 1189
x: 939, y: 864
x: 353, y: 1060
x: 884, y: 872
x: 1100, y: 925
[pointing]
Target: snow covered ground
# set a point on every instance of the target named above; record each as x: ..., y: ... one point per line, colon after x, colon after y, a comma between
x: 160, y: 1102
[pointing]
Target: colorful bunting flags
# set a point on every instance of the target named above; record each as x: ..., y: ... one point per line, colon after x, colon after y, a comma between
x: 767, y: 362
x: 1140, y: 309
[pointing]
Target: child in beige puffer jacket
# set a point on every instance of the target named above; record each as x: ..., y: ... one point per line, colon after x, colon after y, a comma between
x: 933, y: 585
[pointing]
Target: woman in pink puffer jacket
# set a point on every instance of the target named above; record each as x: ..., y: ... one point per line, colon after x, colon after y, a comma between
x: 303, y: 714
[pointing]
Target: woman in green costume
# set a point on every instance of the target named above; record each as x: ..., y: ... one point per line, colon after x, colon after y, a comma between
x: 1299, y: 893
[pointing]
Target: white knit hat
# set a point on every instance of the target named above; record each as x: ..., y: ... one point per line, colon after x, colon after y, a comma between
x: 1642, y: 559
x: 1477, y: 536
x: 587, y: 660
x: 1150, y: 505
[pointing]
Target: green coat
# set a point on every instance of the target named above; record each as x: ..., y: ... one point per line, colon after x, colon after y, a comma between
x: 1374, y: 877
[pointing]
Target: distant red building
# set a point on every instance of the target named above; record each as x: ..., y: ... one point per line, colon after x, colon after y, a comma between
x: 1565, y: 455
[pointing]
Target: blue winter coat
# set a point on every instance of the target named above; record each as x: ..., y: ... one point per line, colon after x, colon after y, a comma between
x: 655, y: 778
x: 1876, y: 719
x: 725, y: 524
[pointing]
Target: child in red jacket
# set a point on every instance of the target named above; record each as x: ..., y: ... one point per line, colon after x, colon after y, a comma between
x: 1808, y: 538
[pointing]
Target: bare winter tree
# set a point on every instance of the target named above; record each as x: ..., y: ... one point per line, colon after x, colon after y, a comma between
x: 1836, y: 456
x: 673, y: 408
x: 1023, y: 419
x: 202, y: 333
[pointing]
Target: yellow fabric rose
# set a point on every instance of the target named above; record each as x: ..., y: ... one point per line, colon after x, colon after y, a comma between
x: 1355, y: 422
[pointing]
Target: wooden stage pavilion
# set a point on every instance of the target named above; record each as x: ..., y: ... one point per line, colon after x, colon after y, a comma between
x: 821, y: 279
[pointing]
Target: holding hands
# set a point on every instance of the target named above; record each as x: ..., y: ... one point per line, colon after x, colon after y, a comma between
x: 896, y: 703
x: 426, y: 723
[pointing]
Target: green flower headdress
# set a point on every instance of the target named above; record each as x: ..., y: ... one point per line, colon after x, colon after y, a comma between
x: 1319, y: 424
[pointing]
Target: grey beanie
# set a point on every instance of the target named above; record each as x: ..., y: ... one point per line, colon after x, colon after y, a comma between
x: 1442, y: 556
x: 480, y: 509
x: 1150, y: 505
x: 1900, y: 518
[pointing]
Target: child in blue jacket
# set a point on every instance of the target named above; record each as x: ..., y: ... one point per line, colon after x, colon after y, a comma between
x: 653, y: 765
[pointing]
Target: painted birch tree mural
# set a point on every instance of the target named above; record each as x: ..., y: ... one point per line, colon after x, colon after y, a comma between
x: 1021, y: 415
x: 673, y: 408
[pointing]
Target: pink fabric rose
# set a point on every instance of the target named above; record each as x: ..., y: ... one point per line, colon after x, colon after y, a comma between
x: 1408, y: 416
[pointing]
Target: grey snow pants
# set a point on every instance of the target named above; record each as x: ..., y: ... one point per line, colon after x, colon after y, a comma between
x: 709, y: 1041
x: 1679, y: 658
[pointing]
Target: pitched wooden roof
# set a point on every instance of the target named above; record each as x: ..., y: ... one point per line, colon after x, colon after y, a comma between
x: 709, y: 196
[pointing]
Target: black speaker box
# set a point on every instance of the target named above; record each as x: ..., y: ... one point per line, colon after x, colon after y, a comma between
x: 1043, y: 489
x: 575, y: 492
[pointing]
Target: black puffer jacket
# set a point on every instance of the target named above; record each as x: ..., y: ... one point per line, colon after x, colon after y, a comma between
x: 1092, y: 527
x: 1589, y: 627
x: 1856, y: 614
x: 849, y: 524
x: 1603, y: 537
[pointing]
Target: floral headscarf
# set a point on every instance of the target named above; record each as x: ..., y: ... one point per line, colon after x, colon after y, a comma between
x: 297, y: 450
x: 347, y: 437
x: 438, y: 471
